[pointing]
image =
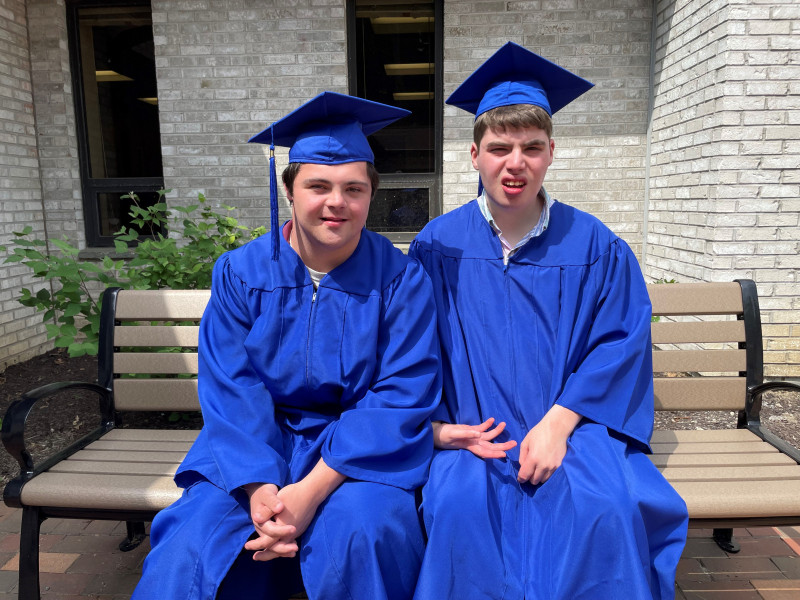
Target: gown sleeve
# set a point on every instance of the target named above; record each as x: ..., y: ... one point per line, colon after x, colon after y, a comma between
x: 241, y: 433
x: 611, y: 381
x: 386, y: 437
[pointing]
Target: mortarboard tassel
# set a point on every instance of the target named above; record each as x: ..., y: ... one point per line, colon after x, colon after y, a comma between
x: 273, y: 205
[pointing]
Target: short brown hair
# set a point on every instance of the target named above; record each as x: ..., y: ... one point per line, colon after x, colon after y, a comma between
x: 291, y: 171
x: 515, y: 116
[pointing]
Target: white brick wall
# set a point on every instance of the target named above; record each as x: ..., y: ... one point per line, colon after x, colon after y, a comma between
x: 21, y: 333
x: 600, y: 139
x: 724, y: 164
x: 224, y: 73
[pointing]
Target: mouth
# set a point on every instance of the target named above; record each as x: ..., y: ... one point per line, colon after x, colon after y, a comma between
x: 333, y: 220
x: 514, y: 184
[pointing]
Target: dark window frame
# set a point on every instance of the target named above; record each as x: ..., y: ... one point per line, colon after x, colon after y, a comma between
x: 91, y: 188
x: 431, y: 181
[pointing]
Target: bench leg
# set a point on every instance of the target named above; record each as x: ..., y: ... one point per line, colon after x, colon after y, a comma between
x: 724, y: 539
x: 135, y: 536
x: 29, y: 554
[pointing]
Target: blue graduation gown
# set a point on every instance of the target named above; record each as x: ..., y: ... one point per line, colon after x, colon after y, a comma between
x: 287, y: 374
x: 566, y: 321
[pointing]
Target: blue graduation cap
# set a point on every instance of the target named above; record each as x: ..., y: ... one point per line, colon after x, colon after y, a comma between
x: 515, y: 75
x: 329, y: 129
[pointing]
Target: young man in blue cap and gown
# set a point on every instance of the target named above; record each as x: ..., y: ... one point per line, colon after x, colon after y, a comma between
x: 544, y: 321
x: 318, y: 372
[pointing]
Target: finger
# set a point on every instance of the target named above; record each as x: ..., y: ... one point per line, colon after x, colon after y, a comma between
x: 485, y: 425
x: 483, y: 452
x: 277, y: 530
x: 463, y: 433
x: 490, y: 435
x: 287, y: 550
x: 526, y: 471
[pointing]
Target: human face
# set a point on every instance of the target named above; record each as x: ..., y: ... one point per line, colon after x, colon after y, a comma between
x: 512, y: 165
x: 330, y: 204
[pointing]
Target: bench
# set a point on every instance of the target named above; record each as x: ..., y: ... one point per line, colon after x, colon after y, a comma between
x: 708, y: 356
x: 114, y: 473
x: 739, y: 476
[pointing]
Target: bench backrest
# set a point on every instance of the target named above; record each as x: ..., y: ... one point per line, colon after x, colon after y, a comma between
x: 148, y: 348
x: 708, y: 329
x: 707, y: 347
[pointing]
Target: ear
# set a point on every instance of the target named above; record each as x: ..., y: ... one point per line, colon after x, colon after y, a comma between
x: 552, y: 150
x: 473, y: 152
x: 288, y: 194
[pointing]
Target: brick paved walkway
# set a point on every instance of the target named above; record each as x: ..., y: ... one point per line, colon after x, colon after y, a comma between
x: 80, y: 560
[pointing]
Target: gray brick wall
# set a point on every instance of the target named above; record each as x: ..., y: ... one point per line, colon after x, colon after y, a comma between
x: 225, y: 71
x: 55, y: 120
x: 21, y: 333
x: 600, y: 139
x: 725, y: 187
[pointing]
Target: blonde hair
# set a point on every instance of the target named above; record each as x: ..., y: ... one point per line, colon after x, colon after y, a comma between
x: 515, y: 116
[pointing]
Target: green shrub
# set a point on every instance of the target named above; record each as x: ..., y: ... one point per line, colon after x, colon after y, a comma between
x: 70, y: 305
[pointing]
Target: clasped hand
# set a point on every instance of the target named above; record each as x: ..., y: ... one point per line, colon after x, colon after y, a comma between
x: 279, y: 517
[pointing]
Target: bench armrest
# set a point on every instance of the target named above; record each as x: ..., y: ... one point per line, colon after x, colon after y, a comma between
x: 754, y: 394
x: 13, y: 429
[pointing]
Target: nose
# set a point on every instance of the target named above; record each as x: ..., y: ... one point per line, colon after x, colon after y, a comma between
x: 335, y: 198
x: 514, y: 159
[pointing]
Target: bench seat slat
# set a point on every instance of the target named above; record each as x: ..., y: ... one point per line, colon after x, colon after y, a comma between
x: 741, y: 499
x: 136, y: 447
x: 156, y: 394
x: 699, y: 361
x: 712, y: 448
x: 157, y: 335
x: 126, y: 456
x: 697, y: 332
x: 128, y: 468
x: 720, y: 473
x: 722, y: 460
x: 699, y: 393
x: 703, y: 435
x: 166, y: 305
x: 110, y: 492
x: 153, y: 435
x: 695, y: 298
x: 155, y: 362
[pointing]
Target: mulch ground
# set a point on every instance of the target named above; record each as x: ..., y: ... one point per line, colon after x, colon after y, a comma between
x: 57, y: 422
x: 64, y: 418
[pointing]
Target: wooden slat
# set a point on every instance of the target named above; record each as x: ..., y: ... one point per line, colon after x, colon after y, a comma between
x: 156, y: 335
x: 166, y: 469
x: 712, y: 448
x: 741, y: 499
x: 138, y: 446
x: 123, y: 456
x: 695, y: 298
x: 699, y: 361
x: 699, y: 393
x: 698, y: 332
x: 748, y: 473
x: 703, y: 435
x: 720, y: 460
x: 154, y: 435
x: 156, y: 394
x: 155, y: 362
x: 112, y: 492
x: 161, y: 305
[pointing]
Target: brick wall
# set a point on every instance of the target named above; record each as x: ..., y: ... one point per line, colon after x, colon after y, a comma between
x: 725, y: 157
x: 600, y: 139
x: 224, y: 73
x: 55, y: 120
x: 21, y: 333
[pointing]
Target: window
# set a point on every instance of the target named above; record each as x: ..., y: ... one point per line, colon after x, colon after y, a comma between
x: 116, y: 104
x: 395, y: 57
